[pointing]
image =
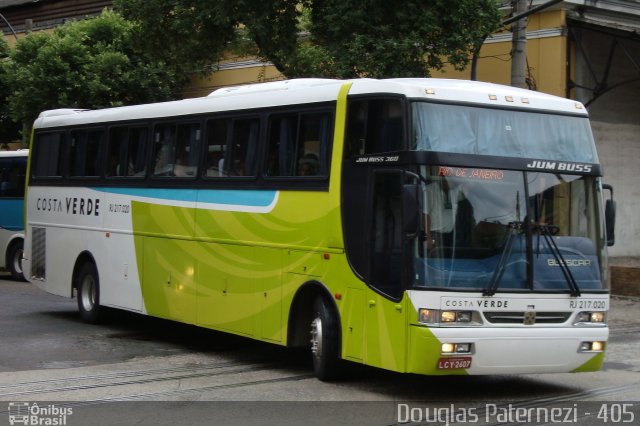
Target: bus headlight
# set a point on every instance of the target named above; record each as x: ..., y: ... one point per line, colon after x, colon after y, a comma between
x: 591, y: 318
x: 428, y: 316
x: 455, y: 316
x: 596, y: 346
x: 456, y: 348
x: 436, y: 317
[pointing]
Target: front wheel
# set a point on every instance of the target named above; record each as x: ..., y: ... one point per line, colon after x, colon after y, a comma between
x: 325, y: 345
x: 14, y: 260
x: 89, y: 293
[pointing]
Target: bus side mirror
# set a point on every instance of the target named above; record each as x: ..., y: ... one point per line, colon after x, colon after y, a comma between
x: 610, y: 216
x: 411, y: 207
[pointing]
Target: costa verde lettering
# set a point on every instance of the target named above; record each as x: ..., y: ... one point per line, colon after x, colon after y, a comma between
x: 78, y: 206
x: 476, y: 303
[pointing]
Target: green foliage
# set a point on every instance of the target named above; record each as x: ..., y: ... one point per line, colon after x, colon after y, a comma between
x: 188, y: 34
x: 86, y: 64
x: 8, y: 129
x: 409, y: 38
x: 332, y: 38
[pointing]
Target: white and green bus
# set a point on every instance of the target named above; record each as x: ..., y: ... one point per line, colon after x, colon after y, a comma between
x: 417, y: 225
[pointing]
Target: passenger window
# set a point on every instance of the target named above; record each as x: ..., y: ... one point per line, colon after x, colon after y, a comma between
x: 116, y: 152
x: 217, y: 133
x: 374, y: 126
x: 126, y: 154
x: 84, y: 153
x: 187, y: 150
x: 176, y: 149
x: 244, y: 145
x: 48, y: 155
x: 298, y: 145
x: 164, y: 150
x: 12, y: 177
x: 137, y: 152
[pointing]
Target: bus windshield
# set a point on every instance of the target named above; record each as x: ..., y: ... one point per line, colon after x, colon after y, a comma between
x: 509, y: 230
x: 500, y: 132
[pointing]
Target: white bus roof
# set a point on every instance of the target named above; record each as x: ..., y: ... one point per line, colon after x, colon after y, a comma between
x: 311, y: 90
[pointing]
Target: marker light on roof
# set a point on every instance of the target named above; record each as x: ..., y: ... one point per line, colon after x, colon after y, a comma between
x: 578, y: 105
x: 430, y: 91
x: 525, y: 100
x: 493, y: 98
x: 508, y: 98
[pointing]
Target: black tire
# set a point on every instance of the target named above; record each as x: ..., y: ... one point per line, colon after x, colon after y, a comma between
x: 325, y: 343
x: 14, y: 260
x: 88, y: 293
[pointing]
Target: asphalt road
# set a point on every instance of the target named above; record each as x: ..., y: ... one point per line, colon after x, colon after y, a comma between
x: 132, y: 369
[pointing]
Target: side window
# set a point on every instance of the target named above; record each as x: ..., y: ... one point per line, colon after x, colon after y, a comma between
x: 84, y: 153
x: 282, y: 135
x: 176, y: 149
x: 373, y: 126
x: 217, y: 135
x: 164, y: 149
x: 48, y: 155
x: 137, y: 151
x: 116, y: 152
x: 232, y: 145
x: 187, y: 150
x: 313, y: 145
x: 126, y: 153
x: 17, y: 177
x: 244, y: 146
x: 12, y: 174
x: 5, y: 168
x: 298, y: 144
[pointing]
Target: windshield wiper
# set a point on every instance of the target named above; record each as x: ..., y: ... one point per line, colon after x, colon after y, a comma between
x: 514, y: 229
x: 557, y: 254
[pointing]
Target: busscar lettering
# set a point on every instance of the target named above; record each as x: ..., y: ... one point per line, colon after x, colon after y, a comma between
x: 569, y: 262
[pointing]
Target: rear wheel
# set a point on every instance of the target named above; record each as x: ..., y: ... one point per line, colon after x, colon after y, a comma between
x: 325, y: 345
x: 89, y: 293
x: 14, y: 260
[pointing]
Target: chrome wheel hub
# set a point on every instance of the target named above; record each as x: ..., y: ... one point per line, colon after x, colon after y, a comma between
x: 88, y: 295
x: 316, y: 337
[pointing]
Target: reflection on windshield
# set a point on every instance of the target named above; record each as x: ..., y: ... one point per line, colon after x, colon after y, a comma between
x: 486, y: 131
x: 483, y: 231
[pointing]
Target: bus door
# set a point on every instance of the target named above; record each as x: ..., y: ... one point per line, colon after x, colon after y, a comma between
x: 385, y: 309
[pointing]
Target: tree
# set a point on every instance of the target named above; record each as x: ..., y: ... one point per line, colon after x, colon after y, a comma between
x: 87, y: 64
x: 408, y: 38
x: 189, y: 34
x: 8, y: 128
x: 279, y: 30
x: 333, y: 38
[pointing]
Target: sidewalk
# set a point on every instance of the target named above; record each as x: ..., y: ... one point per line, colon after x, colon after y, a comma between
x: 625, y: 276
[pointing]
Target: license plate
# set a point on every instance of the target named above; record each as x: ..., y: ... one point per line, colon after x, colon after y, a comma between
x: 452, y: 363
